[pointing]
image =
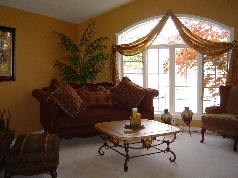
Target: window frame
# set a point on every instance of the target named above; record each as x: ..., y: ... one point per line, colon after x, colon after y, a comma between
x: 119, y: 57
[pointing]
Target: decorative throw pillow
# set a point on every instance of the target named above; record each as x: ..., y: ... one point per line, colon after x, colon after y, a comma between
x: 104, y: 96
x: 100, y: 98
x: 233, y: 100
x: 127, y: 93
x: 68, y: 100
x: 55, y: 84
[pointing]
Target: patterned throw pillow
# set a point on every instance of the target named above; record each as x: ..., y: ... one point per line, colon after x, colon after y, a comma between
x: 127, y: 93
x: 100, y: 98
x: 55, y: 84
x: 68, y: 100
x: 233, y: 100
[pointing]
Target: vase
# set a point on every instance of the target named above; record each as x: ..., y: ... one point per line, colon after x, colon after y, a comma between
x: 187, y: 115
x: 166, y: 117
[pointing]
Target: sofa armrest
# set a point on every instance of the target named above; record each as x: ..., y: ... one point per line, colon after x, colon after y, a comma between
x: 146, y: 103
x: 48, y: 110
x: 215, y: 110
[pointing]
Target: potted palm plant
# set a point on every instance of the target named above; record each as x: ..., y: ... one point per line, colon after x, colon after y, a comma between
x: 83, y: 62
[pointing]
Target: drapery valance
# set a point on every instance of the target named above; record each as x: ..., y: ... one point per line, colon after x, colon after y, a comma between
x: 203, y: 46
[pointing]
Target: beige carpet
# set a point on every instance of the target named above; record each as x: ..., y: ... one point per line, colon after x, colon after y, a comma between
x: 215, y: 158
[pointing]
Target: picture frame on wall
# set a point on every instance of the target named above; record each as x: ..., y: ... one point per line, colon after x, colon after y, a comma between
x: 7, y: 54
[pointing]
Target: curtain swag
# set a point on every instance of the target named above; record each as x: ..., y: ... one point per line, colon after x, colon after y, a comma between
x: 203, y: 46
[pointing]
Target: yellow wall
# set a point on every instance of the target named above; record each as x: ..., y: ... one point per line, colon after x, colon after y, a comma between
x: 35, y: 50
x: 35, y: 47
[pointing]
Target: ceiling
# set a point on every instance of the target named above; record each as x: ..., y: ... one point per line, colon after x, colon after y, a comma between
x: 75, y: 11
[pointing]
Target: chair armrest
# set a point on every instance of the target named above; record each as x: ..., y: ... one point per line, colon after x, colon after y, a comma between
x: 215, y: 110
x: 48, y: 109
x: 146, y: 103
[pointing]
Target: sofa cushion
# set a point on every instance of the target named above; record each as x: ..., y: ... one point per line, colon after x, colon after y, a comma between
x: 127, y: 93
x: 68, y: 100
x: 100, y: 98
x: 91, y: 116
x: 232, y: 102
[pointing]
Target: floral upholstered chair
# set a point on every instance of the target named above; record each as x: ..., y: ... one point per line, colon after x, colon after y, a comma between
x: 223, y: 119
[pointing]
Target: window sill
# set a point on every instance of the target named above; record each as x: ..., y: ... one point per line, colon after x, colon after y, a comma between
x: 178, y: 116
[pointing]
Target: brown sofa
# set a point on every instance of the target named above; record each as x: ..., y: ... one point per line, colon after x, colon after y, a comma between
x: 223, y: 119
x: 56, y: 121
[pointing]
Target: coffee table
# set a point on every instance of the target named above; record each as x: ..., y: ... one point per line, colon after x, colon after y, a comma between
x: 117, y: 136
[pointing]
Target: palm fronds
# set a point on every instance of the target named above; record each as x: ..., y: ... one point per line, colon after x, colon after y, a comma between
x: 83, y: 61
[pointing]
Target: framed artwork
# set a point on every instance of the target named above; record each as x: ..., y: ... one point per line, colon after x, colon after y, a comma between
x: 7, y: 54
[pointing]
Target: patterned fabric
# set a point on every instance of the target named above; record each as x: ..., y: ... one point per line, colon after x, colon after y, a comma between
x: 232, y: 73
x: 232, y: 102
x: 33, y: 143
x: 214, y: 110
x: 127, y: 93
x: 34, y: 153
x: 68, y: 100
x: 55, y: 84
x: 100, y: 98
x: 220, y: 130
x: 221, y: 120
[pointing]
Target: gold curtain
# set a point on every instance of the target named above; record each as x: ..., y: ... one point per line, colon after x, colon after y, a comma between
x: 199, y: 44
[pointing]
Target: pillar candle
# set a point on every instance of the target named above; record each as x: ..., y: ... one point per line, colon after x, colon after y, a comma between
x: 134, y: 112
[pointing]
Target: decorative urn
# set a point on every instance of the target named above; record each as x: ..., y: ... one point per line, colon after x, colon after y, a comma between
x: 187, y: 115
x: 166, y: 117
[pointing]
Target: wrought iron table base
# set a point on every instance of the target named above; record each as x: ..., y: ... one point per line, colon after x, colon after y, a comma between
x: 146, y: 144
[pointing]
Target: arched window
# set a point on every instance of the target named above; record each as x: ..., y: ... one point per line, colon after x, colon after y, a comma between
x: 183, y: 77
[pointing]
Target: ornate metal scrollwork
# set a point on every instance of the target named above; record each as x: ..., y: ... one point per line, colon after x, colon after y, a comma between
x: 146, y: 143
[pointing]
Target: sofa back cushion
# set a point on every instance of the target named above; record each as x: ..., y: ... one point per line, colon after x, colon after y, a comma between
x: 99, y: 98
x: 224, y: 92
x: 127, y: 94
x: 232, y: 102
x: 93, y: 86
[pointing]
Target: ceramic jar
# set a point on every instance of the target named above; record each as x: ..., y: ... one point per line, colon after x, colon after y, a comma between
x: 187, y: 115
x: 166, y: 117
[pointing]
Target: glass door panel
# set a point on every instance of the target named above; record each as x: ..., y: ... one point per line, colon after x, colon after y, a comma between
x: 215, y: 70
x: 186, y: 73
x: 158, y: 76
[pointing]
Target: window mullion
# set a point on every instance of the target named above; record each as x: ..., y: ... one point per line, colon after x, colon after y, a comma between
x: 200, y: 84
x: 120, y: 65
x: 172, y: 79
x: 145, y: 68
